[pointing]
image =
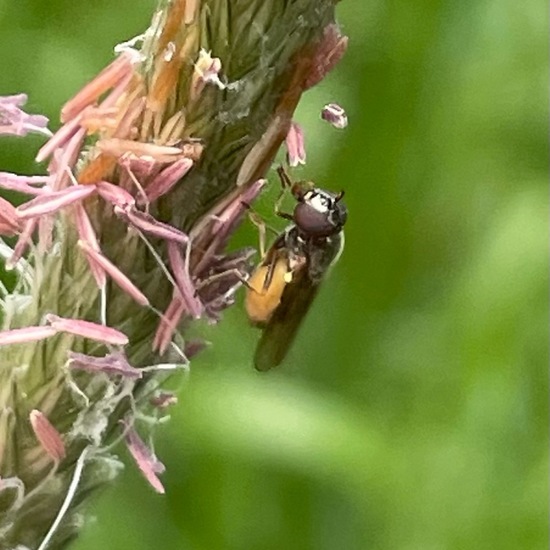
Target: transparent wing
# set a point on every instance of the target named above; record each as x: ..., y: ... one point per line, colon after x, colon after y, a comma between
x: 298, y: 295
x: 279, y: 333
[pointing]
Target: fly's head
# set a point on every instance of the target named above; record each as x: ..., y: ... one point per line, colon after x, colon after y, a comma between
x: 319, y: 213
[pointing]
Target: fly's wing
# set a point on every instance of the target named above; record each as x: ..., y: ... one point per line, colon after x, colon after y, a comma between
x: 281, y: 329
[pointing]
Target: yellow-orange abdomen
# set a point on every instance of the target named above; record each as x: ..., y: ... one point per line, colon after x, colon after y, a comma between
x: 261, y: 302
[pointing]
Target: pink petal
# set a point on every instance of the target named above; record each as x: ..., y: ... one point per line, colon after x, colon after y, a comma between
x: 116, y: 93
x: 137, y: 168
x: 296, y: 153
x: 22, y: 242
x: 95, y: 119
x: 87, y: 234
x: 120, y: 147
x: 51, y: 202
x: 145, y: 459
x: 146, y: 223
x: 85, y: 228
x: 15, y: 121
x: 165, y: 180
x: 127, y: 123
x: 67, y: 159
x: 15, y: 100
x: 45, y: 233
x: 87, y: 329
x: 115, y: 194
x: 183, y: 279
x: 226, y: 222
x: 335, y: 115
x: 48, y: 437
x: 59, y: 139
x: 168, y: 324
x: 118, y: 277
x: 116, y: 71
x: 23, y: 184
x: 111, y: 364
x: 6, y: 228
x: 9, y: 222
x: 25, y: 335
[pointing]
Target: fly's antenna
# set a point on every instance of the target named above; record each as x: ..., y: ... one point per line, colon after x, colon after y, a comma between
x: 286, y: 182
x: 339, y: 196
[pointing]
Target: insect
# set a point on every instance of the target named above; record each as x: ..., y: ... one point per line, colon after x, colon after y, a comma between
x: 283, y: 286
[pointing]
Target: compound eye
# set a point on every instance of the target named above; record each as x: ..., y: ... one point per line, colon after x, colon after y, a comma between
x: 312, y: 222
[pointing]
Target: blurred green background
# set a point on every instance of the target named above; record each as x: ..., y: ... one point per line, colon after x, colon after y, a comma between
x: 412, y: 411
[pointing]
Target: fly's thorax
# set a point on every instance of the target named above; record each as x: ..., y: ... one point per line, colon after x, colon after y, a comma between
x: 322, y: 254
x: 316, y: 254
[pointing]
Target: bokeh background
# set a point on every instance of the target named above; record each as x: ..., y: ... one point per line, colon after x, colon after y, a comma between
x: 412, y: 411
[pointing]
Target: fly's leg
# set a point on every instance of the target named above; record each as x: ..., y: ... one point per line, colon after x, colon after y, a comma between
x: 274, y: 258
x: 286, y: 184
x: 297, y: 188
x: 223, y: 276
x: 256, y: 219
x: 269, y: 257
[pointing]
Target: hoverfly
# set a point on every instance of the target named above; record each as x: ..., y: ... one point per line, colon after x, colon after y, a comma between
x: 283, y: 286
